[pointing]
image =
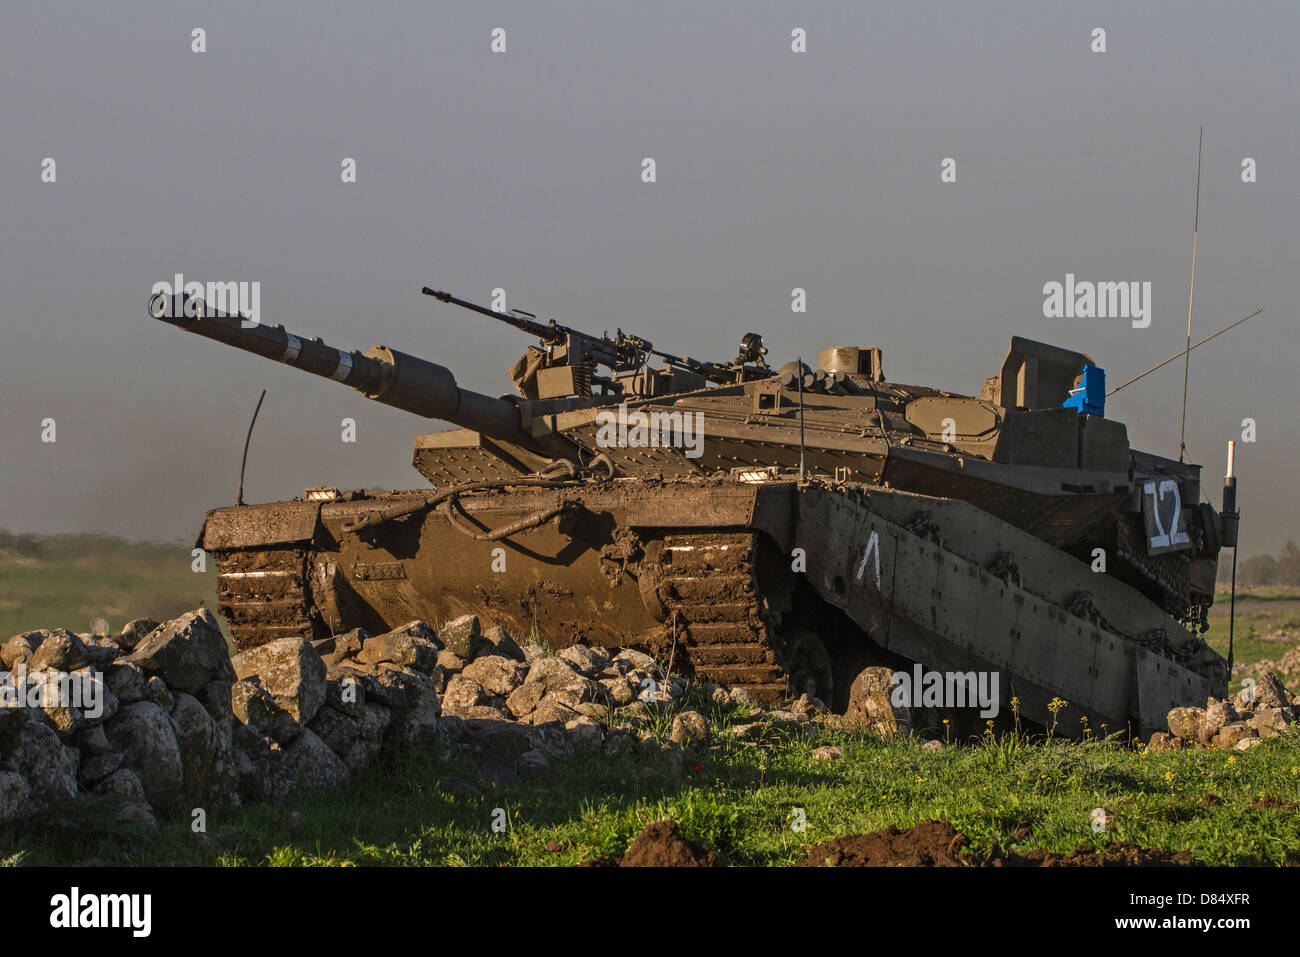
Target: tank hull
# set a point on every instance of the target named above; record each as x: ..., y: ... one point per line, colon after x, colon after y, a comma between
x: 728, y: 580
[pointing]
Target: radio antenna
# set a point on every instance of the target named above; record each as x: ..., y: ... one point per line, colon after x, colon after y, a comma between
x: 1187, y: 354
x: 239, y: 496
x: 1176, y: 355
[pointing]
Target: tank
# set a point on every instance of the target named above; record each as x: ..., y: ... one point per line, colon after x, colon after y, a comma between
x: 778, y: 530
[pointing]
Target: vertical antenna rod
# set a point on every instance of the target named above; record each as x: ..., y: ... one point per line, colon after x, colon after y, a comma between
x: 1187, y: 356
x: 239, y: 496
x: 802, y: 473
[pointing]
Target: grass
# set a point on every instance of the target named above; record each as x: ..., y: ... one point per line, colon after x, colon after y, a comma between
x: 68, y: 581
x: 1224, y: 808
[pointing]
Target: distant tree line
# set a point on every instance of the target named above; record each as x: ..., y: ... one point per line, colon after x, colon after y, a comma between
x: 1259, y: 571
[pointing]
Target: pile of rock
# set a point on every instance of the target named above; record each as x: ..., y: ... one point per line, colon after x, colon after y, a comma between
x: 143, y: 717
x: 1260, y: 710
x: 166, y: 721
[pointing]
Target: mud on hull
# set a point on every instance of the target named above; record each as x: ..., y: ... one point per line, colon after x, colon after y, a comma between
x: 773, y: 586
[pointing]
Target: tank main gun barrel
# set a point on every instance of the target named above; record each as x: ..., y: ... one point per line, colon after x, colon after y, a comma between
x: 394, y: 378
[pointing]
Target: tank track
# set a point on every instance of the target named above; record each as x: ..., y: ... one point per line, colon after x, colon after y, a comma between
x: 265, y: 594
x: 707, y: 585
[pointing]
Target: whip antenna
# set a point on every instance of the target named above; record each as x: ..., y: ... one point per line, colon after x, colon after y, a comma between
x: 239, y: 496
x: 1187, y: 355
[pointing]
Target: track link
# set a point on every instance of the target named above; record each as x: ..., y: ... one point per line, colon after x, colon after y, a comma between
x: 264, y: 595
x: 706, y: 584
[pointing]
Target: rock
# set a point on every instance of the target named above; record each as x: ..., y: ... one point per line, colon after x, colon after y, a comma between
x: 932, y: 746
x: 315, y: 766
x: 147, y: 736
x: 1270, y: 692
x: 290, y: 671
x: 533, y: 651
x: 373, y: 721
x: 91, y: 740
x: 559, y: 681
x: 1217, y: 715
x: 553, y: 709
x: 349, y: 643
x: 1160, y: 741
x: 101, y: 651
x: 689, y: 727
x: 870, y: 705
x: 59, y: 651
x: 460, y: 635
x: 450, y: 662
x: 808, y: 705
x: 523, y: 700
x: 156, y: 690
x: 418, y: 727
x: 254, y: 706
x: 532, y: 765
x: 19, y: 649
x: 135, y: 813
x: 831, y: 753
x: 97, y: 767
x: 344, y: 692
x: 640, y: 661
x: 497, y: 641
x: 585, y: 734
x: 739, y: 696
x: 620, y: 690
x: 49, y: 766
x: 196, y: 735
x: 1270, y: 720
x: 1230, y: 735
x: 495, y: 674
x: 1245, y: 744
x: 133, y: 632
x: 361, y: 755
x: 618, y: 743
x: 1186, y: 723
x: 339, y: 731
x: 413, y: 646
x: 125, y: 783
x: 187, y: 652
x: 585, y: 661
x: 15, y: 797
x: 215, y: 698
x: 399, y: 688
x: 127, y: 681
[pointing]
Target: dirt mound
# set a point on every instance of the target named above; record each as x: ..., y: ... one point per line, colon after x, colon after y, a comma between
x: 659, y: 845
x: 1116, y: 855
x: 939, y: 844
x: 928, y: 844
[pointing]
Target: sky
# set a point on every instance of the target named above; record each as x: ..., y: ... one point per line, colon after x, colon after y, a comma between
x: 522, y: 170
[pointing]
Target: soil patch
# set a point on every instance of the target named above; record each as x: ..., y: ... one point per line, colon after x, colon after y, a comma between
x: 660, y: 845
x: 928, y: 844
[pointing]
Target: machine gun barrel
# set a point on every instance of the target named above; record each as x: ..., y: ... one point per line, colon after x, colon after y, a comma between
x: 394, y: 378
x: 546, y: 332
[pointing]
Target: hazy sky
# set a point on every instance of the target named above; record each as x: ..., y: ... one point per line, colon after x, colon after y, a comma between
x: 522, y: 170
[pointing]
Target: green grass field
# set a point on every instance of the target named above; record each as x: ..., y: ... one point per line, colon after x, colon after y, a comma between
x: 69, y: 581
x: 1223, y: 808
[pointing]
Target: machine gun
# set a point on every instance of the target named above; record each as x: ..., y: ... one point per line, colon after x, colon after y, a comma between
x: 570, y: 357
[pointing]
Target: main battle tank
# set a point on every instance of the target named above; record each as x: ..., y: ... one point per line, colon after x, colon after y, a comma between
x: 778, y: 530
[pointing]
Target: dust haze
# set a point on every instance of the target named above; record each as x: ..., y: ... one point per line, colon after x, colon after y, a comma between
x: 521, y: 170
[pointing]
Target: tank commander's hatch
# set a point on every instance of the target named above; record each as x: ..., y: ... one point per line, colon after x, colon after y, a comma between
x: 1035, y: 375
